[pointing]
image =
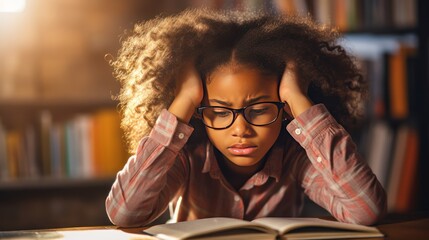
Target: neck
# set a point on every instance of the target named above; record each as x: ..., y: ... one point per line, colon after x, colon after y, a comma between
x: 234, y: 174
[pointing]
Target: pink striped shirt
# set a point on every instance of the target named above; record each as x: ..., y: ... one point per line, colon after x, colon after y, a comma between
x: 319, y: 160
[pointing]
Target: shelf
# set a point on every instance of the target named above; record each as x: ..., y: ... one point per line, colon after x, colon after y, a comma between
x: 58, y: 103
x: 382, y: 31
x: 52, y: 183
x: 52, y: 203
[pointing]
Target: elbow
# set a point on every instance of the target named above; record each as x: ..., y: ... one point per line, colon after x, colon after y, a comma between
x: 369, y: 214
x: 118, y: 216
x: 369, y: 219
x: 124, y: 220
x: 380, y: 209
x: 120, y: 221
x: 127, y: 221
x: 123, y: 217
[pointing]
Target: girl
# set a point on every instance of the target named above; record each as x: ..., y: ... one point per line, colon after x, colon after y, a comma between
x: 238, y: 115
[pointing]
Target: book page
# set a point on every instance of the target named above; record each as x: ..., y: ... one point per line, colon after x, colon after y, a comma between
x: 183, y: 230
x: 284, y: 225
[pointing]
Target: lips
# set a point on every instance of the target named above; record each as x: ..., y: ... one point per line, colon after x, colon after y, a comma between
x: 241, y: 149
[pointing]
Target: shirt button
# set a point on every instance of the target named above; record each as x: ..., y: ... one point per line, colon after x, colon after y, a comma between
x: 181, y: 135
x: 298, y: 131
x: 319, y: 159
x: 236, y: 198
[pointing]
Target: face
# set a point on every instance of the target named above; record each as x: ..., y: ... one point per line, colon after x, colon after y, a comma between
x: 235, y: 87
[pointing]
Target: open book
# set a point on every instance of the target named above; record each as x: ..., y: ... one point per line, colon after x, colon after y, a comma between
x: 262, y: 228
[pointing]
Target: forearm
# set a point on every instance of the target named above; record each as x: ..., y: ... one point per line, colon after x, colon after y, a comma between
x: 182, y: 108
x: 293, y: 91
x: 337, y: 178
x: 299, y: 104
x: 136, y: 196
x: 354, y: 195
x: 189, y: 93
x: 152, y: 177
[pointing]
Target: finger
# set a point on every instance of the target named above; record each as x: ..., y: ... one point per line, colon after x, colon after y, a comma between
x: 290, y: 67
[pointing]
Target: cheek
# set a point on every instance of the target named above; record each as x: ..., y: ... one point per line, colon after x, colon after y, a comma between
x: 215, y: 136
x: 269, y: 135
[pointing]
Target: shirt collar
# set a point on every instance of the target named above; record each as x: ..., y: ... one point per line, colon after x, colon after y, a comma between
x: 210, y: 165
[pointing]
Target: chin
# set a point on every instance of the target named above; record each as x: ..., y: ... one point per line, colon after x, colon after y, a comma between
x: 244, y: 161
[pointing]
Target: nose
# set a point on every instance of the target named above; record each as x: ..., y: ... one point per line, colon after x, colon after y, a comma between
x: 240, y: 127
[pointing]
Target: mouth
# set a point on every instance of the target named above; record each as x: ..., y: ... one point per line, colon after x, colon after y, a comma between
x: 241, y: 149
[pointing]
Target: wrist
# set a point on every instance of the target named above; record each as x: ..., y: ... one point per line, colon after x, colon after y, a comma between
x: 298, y: 104
x: 182, y: 108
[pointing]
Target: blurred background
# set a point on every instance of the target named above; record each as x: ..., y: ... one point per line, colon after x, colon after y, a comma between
x: 60, y: 141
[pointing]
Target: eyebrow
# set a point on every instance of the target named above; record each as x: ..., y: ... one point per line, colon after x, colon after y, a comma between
x: 249, y: 101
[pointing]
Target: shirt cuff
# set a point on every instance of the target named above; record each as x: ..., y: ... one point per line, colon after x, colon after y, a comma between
x: 170, y: 132
x: 309, y: 124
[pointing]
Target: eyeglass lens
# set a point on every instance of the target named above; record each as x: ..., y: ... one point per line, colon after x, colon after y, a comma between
x: 256, y: 114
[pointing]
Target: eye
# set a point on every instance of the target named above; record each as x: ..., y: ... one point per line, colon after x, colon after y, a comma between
x: 258, y: 111
x: 220, y: 113
x: 217, y: 113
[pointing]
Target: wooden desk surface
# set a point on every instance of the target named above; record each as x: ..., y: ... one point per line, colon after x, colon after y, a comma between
x: 408, y: 229
x: 394, y: 229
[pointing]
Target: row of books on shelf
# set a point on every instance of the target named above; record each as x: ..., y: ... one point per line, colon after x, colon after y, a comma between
x: 89, y: 145
x: 347, y: 15
x: 392, y: 152
x: 238, y: 5
x: 388, y: 64
x: 352, y: 15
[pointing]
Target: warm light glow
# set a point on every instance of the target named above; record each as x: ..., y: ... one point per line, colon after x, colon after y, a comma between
x: 104, y: 234
x: 12, y: 5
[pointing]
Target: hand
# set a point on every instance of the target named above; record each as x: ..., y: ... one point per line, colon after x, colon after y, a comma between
x: 189, y: 93
x: 189, y: 85
x: 293, y: 91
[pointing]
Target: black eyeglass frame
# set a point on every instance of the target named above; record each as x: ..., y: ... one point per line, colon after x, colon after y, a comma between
x: 235, y: 113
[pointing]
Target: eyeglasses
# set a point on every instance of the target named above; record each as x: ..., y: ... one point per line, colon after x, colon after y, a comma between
x: 257, y: 114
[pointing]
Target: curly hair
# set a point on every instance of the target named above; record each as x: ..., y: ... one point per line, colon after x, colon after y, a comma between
x: 151, y: 57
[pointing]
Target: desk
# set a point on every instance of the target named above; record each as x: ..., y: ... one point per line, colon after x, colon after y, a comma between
x: 396, y: 229
x: 408, y: 229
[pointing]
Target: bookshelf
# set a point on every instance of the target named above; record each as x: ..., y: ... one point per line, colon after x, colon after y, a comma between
x: 56, y: 109
x: 66, y: 75
x: 48, y: 203
x: 398, y: 121
x: 398, y: 113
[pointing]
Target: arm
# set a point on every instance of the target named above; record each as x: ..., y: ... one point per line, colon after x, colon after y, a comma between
x: 293, y: 92
x: 152, y: 177
x: 189, y: 93
x: 337, y: 178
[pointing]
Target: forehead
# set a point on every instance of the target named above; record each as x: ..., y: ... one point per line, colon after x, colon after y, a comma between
x: 238, y: 84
